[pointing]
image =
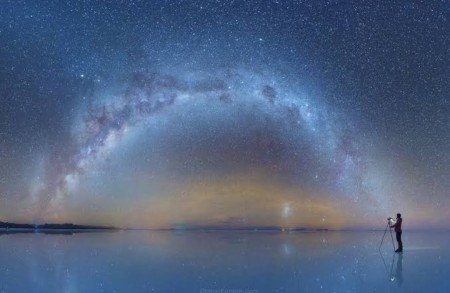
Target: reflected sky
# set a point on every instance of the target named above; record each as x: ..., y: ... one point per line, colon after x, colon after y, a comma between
x: 144, y: 261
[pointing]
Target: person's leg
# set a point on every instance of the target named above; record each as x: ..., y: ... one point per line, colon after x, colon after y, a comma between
x: 398, y: 236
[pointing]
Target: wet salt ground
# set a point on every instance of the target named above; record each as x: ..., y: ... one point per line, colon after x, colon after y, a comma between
x: 204, y: 262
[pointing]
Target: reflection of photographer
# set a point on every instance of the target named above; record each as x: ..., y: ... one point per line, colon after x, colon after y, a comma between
x: 397, y: 225
x: 399, y: 270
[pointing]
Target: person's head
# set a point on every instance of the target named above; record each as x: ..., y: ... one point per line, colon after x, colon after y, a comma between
x: 399, y: 215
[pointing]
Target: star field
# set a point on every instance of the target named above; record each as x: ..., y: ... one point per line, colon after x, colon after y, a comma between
x: 166, y: 113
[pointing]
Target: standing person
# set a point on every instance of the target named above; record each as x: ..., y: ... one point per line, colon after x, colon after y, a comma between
x: 397, y: 225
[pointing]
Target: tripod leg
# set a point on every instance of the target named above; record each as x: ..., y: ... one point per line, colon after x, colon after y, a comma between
x: 382, y: 239
x: 393, y: 246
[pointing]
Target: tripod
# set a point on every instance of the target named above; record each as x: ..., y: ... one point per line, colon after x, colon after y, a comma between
x: 382, y: 239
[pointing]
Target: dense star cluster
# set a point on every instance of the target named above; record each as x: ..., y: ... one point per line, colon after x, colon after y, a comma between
x: 224, y: 113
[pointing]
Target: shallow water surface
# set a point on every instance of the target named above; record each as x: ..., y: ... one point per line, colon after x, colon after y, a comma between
x: 223, y: 262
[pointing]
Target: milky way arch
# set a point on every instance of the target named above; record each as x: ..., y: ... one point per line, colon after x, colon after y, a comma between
x: 147, y: 95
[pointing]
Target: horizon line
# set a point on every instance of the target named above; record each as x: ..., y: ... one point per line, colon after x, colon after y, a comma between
x: 223, y: 228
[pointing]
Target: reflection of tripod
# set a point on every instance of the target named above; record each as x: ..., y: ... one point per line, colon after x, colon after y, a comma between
x: 382, y: 239
x: 398, y: 274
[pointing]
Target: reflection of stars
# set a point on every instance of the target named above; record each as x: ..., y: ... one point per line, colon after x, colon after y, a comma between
x: 287, y: 249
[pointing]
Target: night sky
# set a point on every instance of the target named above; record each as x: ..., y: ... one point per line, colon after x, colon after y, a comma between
x: 225, y: 113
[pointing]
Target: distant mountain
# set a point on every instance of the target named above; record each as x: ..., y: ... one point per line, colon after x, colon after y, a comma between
x: 65, y: 226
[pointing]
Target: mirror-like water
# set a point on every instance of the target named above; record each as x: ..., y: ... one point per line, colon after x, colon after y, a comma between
x: 219, y: 262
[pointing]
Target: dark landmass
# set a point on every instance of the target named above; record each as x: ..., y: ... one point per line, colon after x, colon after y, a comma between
x: 52, y: 231
x: 46, y: 227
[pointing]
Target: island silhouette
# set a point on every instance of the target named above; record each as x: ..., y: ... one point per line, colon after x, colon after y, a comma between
x: 38, y: 227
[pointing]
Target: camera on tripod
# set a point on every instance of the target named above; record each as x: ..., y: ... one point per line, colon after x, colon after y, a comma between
x: 391, y: 221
